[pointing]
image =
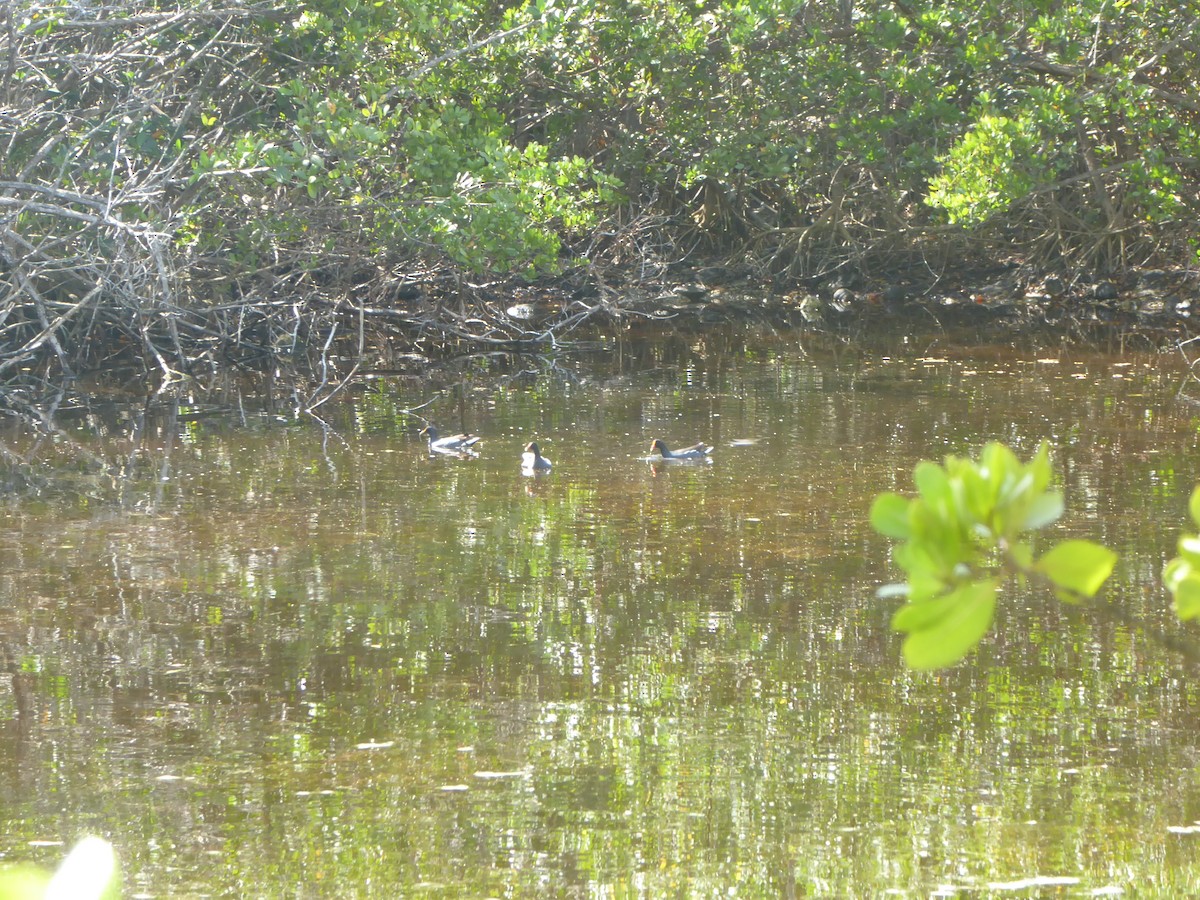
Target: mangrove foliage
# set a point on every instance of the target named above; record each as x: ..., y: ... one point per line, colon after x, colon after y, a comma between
x: 189, y: 184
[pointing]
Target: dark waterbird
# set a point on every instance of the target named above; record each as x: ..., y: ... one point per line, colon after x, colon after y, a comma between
x: 451, y: 443
x: 533, y: 460
x: 696, y: 451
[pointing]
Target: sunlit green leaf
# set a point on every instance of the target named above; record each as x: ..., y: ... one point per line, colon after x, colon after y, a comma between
x: 1187, y: 596
x: 998, y: 463
x: 938, y: 640
x: 889, y: 515
x: 1175, y: 571
x: 931, y: 480
x: 1045, y: 509
x: 1040, y: 467
x: 1194, y: 505
x: 975, y: 493
x: 922, y: 614
x: 928, y: 520
x: 24, y: 882
x: 1189, y: 546
x: 925, y: 585
x: 1081, y: 567
x: 1016, y: 487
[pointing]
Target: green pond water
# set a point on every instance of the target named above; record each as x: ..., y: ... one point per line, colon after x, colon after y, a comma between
x: 271, y: 655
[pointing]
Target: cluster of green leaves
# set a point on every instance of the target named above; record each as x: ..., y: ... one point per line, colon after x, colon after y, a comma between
x: 996, y: 163
x: 1000, y: 108
x: 964, y: 535
x: 487, y: 203
x: 435, y: 166
x: 1083, y: 116
x: 773, y: 100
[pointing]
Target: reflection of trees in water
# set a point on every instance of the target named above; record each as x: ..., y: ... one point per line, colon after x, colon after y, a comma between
x: 693, y: 664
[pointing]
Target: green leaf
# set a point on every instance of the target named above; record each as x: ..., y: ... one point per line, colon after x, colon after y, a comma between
x: 1194, y: 505
x: 941, y: 637
x: 23, y: 882
x: 1080, y: 567
x: 999, y: 464
x: 925, y: 585
x: 922, y: 614
x: 917, y: 558
x: 931, y: 480
x: 1189, y: 547
x: 889, y: 515
x: 1175, y: 571
x: 1187, y: 596
x: 974, y: 491
x: 1045, y: 509
x: 1040, y: 467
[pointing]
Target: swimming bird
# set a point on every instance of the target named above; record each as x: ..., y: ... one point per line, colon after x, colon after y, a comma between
x: 696, y: 451
x: 452, y: 443
x: 533, y: 460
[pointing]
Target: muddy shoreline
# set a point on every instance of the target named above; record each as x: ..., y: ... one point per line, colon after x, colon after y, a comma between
x: 1159, y: 307
x: 326, y: 339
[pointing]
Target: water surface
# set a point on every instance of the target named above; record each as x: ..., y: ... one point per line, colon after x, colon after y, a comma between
x: 268, y: 654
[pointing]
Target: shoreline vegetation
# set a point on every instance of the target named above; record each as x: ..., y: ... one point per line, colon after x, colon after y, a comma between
x: 189, y: 188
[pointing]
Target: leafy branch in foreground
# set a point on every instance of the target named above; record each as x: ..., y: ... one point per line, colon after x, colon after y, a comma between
x: 966, y: 534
